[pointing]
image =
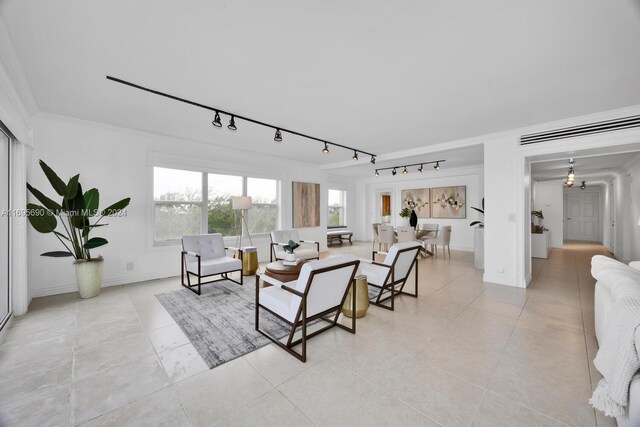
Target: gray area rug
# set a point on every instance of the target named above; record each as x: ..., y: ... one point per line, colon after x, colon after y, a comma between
x: 220, y: 323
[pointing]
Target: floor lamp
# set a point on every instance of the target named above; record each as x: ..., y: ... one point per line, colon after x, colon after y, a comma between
x: 242, y: 203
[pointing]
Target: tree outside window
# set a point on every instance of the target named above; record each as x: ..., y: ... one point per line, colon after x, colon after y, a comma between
x: 337, y: 206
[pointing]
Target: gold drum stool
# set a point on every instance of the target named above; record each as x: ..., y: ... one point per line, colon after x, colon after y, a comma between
x: 249, y: 261
x: 362, y: 298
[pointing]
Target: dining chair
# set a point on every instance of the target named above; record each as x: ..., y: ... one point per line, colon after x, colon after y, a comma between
x: 387, y: 236
x: 429, y: 231
x: 376, y: 238
x: 443, y: 239
x: 406, y: 234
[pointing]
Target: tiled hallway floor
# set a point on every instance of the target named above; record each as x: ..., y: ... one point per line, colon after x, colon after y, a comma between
x: 463, y: 353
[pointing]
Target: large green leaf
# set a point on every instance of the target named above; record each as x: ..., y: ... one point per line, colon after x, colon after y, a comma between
x: 47, y: 202
x: 62, y: 236
x: 54, y: 179
x: 41, y: 219
x: 91, y: 201
x: 478, y: 209
x: 88, y: 228
x: 116, y: 207
x: 57, y: 254
x: 72, y: 187
x: 95, y: 242
x: 77, y: 209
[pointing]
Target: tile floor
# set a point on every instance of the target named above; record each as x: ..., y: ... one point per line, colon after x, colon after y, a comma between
x: 465, y: 353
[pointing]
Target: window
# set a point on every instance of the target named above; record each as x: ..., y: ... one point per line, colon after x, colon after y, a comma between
x: 263, y: 215
x: 183, y: 208
x: 337, y: 205
x: 220, y: 217
x: 177, y: 198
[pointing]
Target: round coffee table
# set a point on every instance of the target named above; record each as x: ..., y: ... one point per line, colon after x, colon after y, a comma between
x: 283, y: 273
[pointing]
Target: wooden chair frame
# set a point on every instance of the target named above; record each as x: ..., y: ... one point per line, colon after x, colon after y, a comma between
x: 301, y: 320
x: 390, y: 287
x: 224, y: 275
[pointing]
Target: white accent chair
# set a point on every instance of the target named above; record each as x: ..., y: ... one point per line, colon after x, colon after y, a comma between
x: 280, y: 238
x: 205, y: 255
x: 320, y: 290
x: 390, y: 276
x: 443, y: 239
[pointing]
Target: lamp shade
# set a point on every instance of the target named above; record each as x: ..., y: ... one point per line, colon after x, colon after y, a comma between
x: 639, y: 221
x: 241, y: 202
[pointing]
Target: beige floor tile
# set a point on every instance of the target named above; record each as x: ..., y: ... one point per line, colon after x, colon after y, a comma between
x: 278, y: 366
x: 158, y: 409
x: 167, y: 338
x: 36, y: 410
x: 106, y: 390
x: 382, y: 410
x: 533, y: 387
x: 327, y: 393
x: 99, y: 334
x: 213, y: 395
x: 271, y: 409
x: 154, y: 318
x: 498, y: 411
x: 440, y: 396
x: 182, y: 362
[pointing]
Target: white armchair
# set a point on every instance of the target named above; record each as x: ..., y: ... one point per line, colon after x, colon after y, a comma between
x: 390, y: 276
x: 320, y: 290
x: 280, y: 238
x: 205, y: 255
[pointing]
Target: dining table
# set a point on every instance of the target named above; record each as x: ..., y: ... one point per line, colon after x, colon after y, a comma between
x: 423, y: 235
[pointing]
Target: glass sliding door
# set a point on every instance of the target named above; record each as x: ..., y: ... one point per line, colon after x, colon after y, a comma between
x: 5, y: 296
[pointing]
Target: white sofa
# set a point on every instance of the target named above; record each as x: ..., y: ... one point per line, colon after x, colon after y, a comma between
x: 617, y: 280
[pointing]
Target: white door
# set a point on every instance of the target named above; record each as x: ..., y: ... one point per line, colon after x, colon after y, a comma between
x: 583, y: 216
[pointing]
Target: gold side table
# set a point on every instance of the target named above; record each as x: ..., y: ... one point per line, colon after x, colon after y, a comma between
x: 362, y: 298
x: 249, y: 261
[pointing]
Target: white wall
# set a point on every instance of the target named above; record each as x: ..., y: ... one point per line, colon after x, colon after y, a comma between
x: 119, y: 163
x: 634, y: 210
x: 548, y: 197
x: 461, y: 233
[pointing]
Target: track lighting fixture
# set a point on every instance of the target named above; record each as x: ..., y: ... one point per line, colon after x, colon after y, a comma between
x: 583, y: 186
x: 216, y: 120
x: 232, y: 124
x: 405, y: 168
x: 278, y: 136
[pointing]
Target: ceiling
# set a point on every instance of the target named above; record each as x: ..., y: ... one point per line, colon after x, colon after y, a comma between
x: 378, y: 75
x: 589, y: 166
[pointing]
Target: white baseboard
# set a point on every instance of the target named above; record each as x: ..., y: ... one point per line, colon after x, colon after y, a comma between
x: 112, y: 281
x: 501, y: 280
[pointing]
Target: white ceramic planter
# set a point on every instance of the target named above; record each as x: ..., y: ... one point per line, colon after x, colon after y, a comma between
x: 478, y: 247
x: 289, y: 257
x: 89, y: 276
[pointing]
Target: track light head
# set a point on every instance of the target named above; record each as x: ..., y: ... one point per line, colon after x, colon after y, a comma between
x: 278, y: 136
x: 355, y: 155
x: 232, y: 124
x: 325, y: 150
x: 405, y: 171
x: 377, y: 173
x: 393, y: 172
x: 437, y: 166
x: 373, y: 160
x: 216, y: 120
x: 583, y: 186
x: 421, y: 168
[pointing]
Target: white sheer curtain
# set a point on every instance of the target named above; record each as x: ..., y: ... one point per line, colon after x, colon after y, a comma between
x: 20, y: 290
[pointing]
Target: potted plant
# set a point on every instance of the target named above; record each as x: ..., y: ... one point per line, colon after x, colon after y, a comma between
x: 405, y: 213
x: 288, y: 251
x: 78, y: 214
x: 478, y: 239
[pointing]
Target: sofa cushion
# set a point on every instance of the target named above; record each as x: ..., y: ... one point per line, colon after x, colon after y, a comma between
x: 281, y: 302
x: 215, y: 266
x: 621, y: 280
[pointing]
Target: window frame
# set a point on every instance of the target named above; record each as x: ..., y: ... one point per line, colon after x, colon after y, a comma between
x: 343, y: 206
x: 204, y: 203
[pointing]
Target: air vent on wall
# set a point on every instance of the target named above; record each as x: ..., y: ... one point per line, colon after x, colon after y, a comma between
x: 581, y: 130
